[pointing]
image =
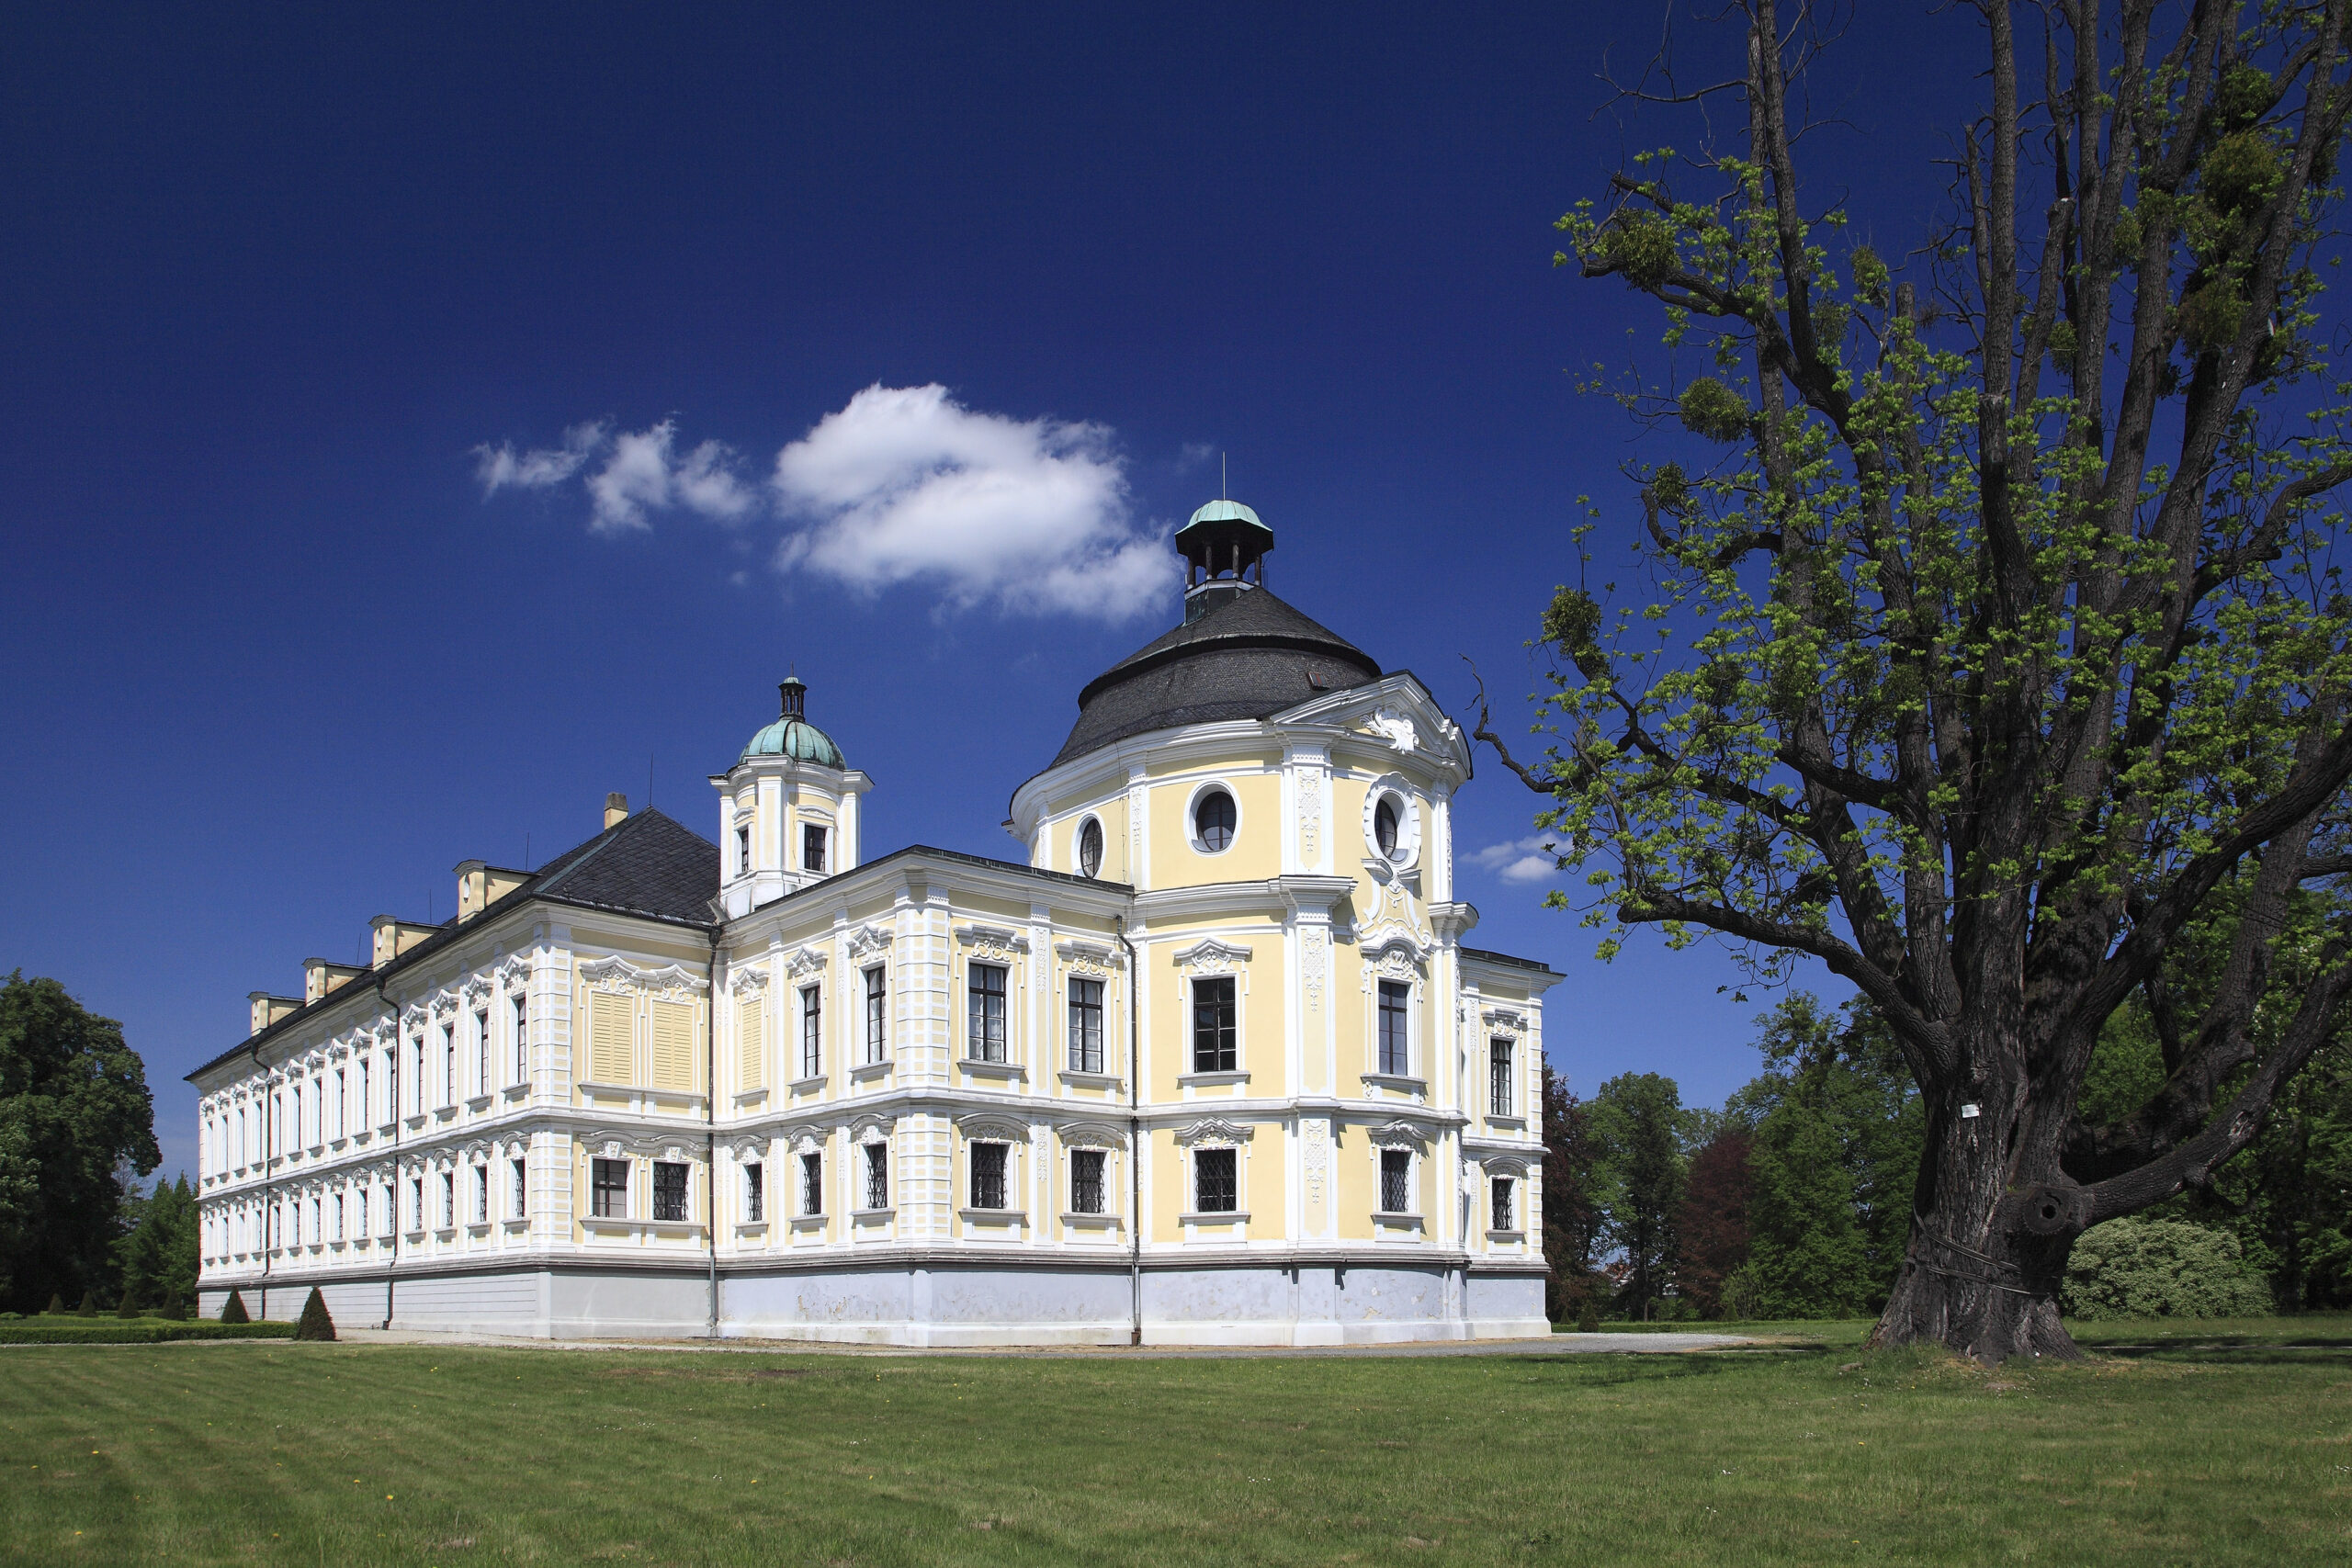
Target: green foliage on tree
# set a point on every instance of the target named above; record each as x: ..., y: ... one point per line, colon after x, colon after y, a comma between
x: 2151, y: 1268
x: 1990, y: 645
x: 74, y: 1113
x: 1711, y: 1232
x: 90, y: 1307
x: 234, y: 1309
x: 1572, y: 1219
x: 127, y: 1306
x: 1638, y: 1127
x: 157, y: 1256
x: 314, y: 1322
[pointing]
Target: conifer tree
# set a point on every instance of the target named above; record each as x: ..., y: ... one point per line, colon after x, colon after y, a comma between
x: 234, y: 1309
x: 314, y: 1324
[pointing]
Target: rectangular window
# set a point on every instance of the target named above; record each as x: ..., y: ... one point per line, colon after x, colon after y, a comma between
x: 481, y: 1194
x: 298, y: 1117
x: 743, y: 851
x: 611, y: 1048
x: 1503, y: 1205
x: 984, y: 1016
x: 812, y: 1031
x: 669, y: 1191
x: 366, y: 1104
x: 608, y: 1188
x: 1394, y: 1059
x: 522, y: 1040
x: 1216, y: 1188
x: 812, y: 1184
x: 482, y: 1052
x: 416, y: 1203
x: 1396, y: 1181
x: 449, y: 1199
x: 448, y: 1064
x: 812, y: 847
x: 1086, y: 1026
x: 755, y: 1195
x: 521, y: 1189
x: 342, y: 1099
x: 988, y: 1176
x: 1499, y: 1078
x: 1086, y: 1181
x: 1215, y: 1034
x: 877, y: 1007
x: 877, y: 1176
x: 336, y: 1213
x: 418, y: 1093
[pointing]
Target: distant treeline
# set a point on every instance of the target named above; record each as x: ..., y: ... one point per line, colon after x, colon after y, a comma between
x: 1795, y: 1199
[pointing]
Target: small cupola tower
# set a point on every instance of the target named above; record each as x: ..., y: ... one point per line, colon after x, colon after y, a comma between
x: 1220, y: 545
x: 787, y: 809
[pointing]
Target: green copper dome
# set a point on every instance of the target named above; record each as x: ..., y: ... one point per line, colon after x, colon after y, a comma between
x: 792, y: 735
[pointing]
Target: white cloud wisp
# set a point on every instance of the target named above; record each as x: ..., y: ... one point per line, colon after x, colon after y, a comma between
x: 1521, y: 860
x: 641, y: 473
x: 907, y: 485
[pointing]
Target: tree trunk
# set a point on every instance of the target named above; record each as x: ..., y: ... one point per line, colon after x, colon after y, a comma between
x: 1990, y: 1237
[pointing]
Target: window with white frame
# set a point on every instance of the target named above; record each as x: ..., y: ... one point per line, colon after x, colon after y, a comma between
x: 416, y: 1203
x: 391, y: 1220
x: 877, y: 1176
x: 755, y: 1196
x: 812, y: 1184
x: 481, y: 1194
x: 481, y: 1051
x: 1086, y: 1181
x: 318, y: 1227
x: 984, y: 1012
x: 608, y: 1188
x: 878, y: 1011
x: 1089, y: 848
x: 1396, y: 1181
x: 743, y: 848
x: 335, y: 1214
x: 448, y: 1064
x: 522, y: 1189
x: 812, y: 1031
x: 812, y: 847
x: 1217, y: 1030
x: 366, y: 1102
x: 522, y: 1040
x: 342, y: 1096
x: 1214, y: 820
x: 1396, y: 1028
x: 1500, y: 1082
x: 1085, y: 1026
x: 1505, y: 1213
x: 988, y: 1161
x: 1216, y: 1181
x: 669, y: 1191
x: 449, y: 1199
x: 298, y: 1140
x: 419, y: 1093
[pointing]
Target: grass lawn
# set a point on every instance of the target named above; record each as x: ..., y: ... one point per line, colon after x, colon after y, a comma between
x: 2211, y: 1442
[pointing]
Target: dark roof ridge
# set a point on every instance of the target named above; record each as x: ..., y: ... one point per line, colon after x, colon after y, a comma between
x: 1226, y: 627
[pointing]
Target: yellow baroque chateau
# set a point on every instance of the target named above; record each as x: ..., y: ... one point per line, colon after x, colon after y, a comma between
x: 1213, y: 1068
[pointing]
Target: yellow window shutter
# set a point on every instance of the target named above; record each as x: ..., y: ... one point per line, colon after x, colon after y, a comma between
x: 608, y: 1023
x: 674, y: 1045
x: 754, y: 1042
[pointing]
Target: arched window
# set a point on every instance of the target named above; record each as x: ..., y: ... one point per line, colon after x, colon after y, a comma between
x: 1213, y: 820
x: 1090, y: 849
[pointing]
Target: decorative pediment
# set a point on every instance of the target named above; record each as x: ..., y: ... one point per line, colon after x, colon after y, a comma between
x: 870, y: 939
x: 1210, y: 957
x: 1093, y: 1135
x: 477, y: 1150
x: 1089, y: 956
x: 478, y: 988
x: 1397, y: 1135
x: 992, y: 1125
x: 805, y: 1140
x: 870, y: 1130
x: 1508, y: 1018
x: 1212, y: 1131
x: 998, y: 941
x: 443, y: 1003
x: 806, y: 962
x: 614, y: 973
x: 1392, y: 952
x: 514, y: 974
x: 748, y: 1151
x: 1502, y: 1165
x: 749, y: 981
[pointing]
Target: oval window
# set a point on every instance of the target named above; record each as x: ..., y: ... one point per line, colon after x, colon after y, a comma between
x: 1383, y: 827
x: 1090, y: 849
x: 1213, y: 820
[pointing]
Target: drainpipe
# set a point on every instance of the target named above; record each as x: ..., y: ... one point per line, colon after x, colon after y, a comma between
x: 1135, y: 1140
x: 710, y: 1109
x: 268, y: 1160
x: 392, y: 1103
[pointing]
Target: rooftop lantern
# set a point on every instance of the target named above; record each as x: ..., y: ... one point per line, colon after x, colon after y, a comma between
x: 1220, y: 544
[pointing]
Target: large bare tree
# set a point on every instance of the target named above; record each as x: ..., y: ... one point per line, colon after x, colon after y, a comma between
x: 1995, y: 654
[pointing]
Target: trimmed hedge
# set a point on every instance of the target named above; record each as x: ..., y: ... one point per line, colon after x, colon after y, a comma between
x: 145, y: 1331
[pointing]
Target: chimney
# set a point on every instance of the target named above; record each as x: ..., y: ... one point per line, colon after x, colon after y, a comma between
x: 615, y: 810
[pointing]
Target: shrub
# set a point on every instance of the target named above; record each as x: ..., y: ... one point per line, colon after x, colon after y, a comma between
x: 2140, y: 1268
x: 90, y: 1307
x: 56, y: 1305
x: 1742, y: 1295
x: 128, y: 1306
x: 234, y: 1309
x: 315, y: 1323
x: 1589, y: 1320
x: 172, y: 1311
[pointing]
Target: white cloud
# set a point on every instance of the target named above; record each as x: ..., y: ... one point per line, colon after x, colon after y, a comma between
x: 644, y: 475
x: 500, y: 466
x: 907, y: 485
x: 1521, y: 860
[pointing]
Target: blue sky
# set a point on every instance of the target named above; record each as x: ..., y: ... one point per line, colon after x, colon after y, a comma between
x: 284, y: 286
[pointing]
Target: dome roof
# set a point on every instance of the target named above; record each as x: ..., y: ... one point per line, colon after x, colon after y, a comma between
x: 792, y: 735
x: 1248, y: 656
x: 1224, y: 512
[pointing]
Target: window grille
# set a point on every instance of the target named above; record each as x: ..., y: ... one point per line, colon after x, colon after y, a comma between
x: 1498, y: 1077
x: 481, y: 1194
x: 877, y: 1176
x: 1396, y: 1181
x: 877, y: 1009
x: 984, y: 1014
x: 521, y: 1189
x: 669, y: 1191
x: 1215, y: 1030
x: 1394, y: 1028
x: 988, y: 1176
x: 449, y: 1199
x: 1086, y: 1026
x: 812, y: 1184
x: 755, y: 1197
x: 812, y: 848
x: 1215, y: 1184
x: 812, y: 1031
x: 1503, y: 1205
x: 608, y: 1189
x: 1086, y: 1181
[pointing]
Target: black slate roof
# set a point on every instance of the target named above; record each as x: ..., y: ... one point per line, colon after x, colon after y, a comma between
x: 1249, y: 656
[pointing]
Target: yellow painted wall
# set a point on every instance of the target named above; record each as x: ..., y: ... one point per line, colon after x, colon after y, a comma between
x: 1259, y: 995
x: 1257, y: 848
